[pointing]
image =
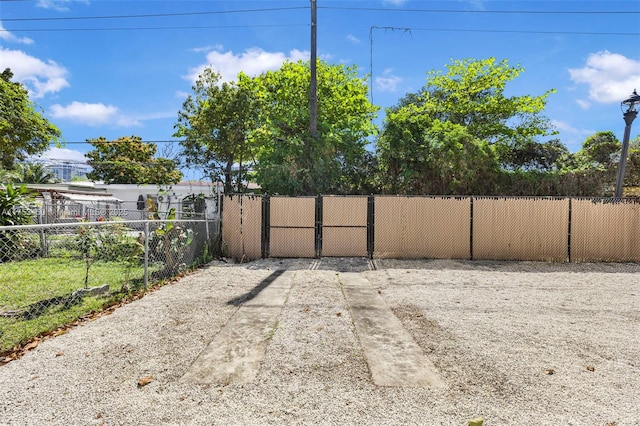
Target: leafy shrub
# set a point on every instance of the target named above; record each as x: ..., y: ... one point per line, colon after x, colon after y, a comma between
x: 14, y: 210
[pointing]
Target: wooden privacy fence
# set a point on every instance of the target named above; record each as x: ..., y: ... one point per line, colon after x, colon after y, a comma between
x: 433, y: 227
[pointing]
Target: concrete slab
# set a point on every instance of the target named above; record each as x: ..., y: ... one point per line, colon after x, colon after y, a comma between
x: 394, y: 358
x: 235, y: 354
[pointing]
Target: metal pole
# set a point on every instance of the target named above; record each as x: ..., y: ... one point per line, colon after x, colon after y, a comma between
x: 146, y: 254
x: 207, y: 238
x: 313, y: 88
x: 629, y: 116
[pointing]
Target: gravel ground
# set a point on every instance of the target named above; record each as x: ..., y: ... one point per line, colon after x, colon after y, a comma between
x: 514, y: 342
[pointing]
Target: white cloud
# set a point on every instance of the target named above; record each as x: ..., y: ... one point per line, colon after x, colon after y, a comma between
x: 202, y: 49
x: 85, y: 113
x: 610, y: 76
x: 60, y: 5
x: 253, y: 62
x: 571, y: 135
x: 564, y: 127
x: 396, y: 2
x: 7, y: 36
x: 583, y: 104
x: 353, y: 39
x: 388, y: 82
x: 38, y: 76
x: 181, y: 94
x: 153, y: 116
x: 97, y: 114
x: 64, y: 154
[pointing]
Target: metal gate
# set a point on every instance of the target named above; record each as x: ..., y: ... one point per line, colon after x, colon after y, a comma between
x: 316, y: 226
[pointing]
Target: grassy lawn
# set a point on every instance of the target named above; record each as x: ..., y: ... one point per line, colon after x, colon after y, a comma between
x: 30, y: 281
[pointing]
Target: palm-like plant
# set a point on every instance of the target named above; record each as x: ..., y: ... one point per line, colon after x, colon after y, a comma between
x: 34, y: 173
x: 14, y: 210
x: 7, y: 176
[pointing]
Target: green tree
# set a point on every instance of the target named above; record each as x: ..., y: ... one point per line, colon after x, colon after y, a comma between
x: 529, y: 155
x: 632, y: 171
x: 215, y: 122
x: 23, y: 130
x: 419, y: 155
x: 291, y: 161
x: 471, y: 93
x: 598, y: 152
x: 462, y: 119
x: 130, y: 160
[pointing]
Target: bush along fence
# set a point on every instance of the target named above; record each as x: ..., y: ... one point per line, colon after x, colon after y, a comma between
x: 433, y: 227
x: 53, y: 274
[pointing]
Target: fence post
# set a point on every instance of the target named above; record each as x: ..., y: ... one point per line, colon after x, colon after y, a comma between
x: 146, y: 254
x: 370, y: 225
x: 318, y: 226
x: 569, y: 234
x: 266, y: 226
x: 44, y: 244
x: 471, y: 229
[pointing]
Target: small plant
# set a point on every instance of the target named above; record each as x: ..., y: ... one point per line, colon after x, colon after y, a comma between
x: 14, y: 210
x: 133, y: 259
x: 87, y: 243
x: 171, y: 241
x: 108, y: 243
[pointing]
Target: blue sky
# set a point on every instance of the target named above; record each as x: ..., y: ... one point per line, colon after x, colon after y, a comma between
x: 127, y: 70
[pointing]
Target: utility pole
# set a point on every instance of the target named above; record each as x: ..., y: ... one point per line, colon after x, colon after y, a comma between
x: 313, y: 85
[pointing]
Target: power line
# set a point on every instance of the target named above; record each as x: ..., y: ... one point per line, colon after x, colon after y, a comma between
x: 513, y: 12
x: 154, y: 15
x: 190, y: 27
x: 368, y: 9
x: 306, y: 25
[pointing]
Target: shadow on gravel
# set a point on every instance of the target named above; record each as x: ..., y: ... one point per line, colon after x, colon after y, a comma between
x: 257, y: 289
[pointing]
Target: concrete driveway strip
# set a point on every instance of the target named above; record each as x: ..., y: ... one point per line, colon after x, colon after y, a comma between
x: 394, y: 358
x: 235, y: 354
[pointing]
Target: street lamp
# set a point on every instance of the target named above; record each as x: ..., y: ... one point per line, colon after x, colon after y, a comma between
x: 629, y: 115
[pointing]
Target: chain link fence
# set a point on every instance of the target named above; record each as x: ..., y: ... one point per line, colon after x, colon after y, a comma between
x: 53, y: 274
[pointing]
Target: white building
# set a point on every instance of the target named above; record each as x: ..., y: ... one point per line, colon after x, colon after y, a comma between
x: 88, y: 200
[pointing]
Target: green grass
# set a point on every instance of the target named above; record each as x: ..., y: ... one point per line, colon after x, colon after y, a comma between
x: 30, y: 281
x: 26, y: 282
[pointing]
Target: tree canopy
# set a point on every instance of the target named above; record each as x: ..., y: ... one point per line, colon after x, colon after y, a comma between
x: 472, y: 93
x: 215, y: 122
x: 23, y: 130
x: 130, y: 160
x: 461, y: 128
x: 421, y: 156
x: 259, y: 126
x: 289, y: 159
x: 460, y: 134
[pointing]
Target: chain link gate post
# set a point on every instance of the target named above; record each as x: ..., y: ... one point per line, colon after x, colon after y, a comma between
x: 318, y: 232
x: 569, y: 234
x: 371, y: 202
x: 146, y: 254
x: 265, y: 236
x: 471, y: 228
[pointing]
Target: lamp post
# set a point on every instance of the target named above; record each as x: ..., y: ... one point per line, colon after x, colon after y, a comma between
x: 629, y: 115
